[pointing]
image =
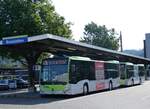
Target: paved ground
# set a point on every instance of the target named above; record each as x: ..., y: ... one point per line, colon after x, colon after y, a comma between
x: 137, y: 97
x: 5, y: 92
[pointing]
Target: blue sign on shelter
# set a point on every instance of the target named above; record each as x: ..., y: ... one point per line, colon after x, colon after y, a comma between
x: 15, y: 40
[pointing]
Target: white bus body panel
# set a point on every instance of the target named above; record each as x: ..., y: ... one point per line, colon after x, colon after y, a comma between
x: 72, y: 89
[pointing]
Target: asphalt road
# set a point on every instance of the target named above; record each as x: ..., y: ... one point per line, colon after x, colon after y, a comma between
x: 137, y: 97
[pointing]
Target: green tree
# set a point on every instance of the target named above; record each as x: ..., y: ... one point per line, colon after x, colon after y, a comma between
x: 30, y: 17
x: 19, y: 17
x: 100, y: 36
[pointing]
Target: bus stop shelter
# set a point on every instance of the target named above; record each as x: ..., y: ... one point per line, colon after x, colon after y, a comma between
x: 62, y: 46
x: 32, y: 47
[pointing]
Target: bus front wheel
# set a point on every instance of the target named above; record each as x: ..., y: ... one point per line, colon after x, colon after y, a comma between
x: 85, y: 89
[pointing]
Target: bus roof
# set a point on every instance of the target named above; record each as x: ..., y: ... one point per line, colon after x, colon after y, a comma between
x: 80, y: 58
x: 126, y: 63
x: 140, y: 65
x: 74, y: 58
x: 112, y: 61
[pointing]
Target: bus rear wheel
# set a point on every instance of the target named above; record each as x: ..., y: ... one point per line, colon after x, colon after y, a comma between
x: 85, y: 89
x: 110, y: 85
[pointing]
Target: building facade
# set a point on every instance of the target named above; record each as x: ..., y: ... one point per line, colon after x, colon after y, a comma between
x: 147, y: 45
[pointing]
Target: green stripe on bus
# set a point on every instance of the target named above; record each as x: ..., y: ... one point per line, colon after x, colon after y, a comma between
x: 122, y: 82
x: 52, y: 87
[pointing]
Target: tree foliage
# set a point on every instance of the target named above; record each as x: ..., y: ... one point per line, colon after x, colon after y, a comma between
x: 19, y: 17
x: 29, y: 17
x: 100, y: 36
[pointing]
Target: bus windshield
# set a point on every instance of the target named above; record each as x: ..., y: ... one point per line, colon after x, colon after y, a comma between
x: 55, y: 72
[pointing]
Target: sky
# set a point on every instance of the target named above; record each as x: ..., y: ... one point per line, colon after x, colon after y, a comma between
x: 131, y: 17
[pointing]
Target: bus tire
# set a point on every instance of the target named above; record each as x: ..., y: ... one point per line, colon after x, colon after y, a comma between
x: 140, y: 81
x: 85, y: 89
x: 110, y: 85
x: 132, y: 84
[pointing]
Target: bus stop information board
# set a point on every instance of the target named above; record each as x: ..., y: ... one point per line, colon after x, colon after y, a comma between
x: 15, y: 40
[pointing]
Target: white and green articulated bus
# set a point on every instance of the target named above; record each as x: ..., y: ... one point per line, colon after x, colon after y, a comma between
x: 130, y: 74
x: 77, y: 75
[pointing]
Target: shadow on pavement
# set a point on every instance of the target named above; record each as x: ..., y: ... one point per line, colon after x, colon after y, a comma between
x: 26, y: 98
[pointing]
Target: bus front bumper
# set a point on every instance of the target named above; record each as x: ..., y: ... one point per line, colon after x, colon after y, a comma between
x: 55, y: 90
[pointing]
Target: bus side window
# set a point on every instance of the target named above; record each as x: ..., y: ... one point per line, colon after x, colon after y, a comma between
x: 72, y: 73
x: 85, y: 69
x: 75, y: 71
x: 73, y: 68
x: 107, y: 71
x: 92, y: 71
